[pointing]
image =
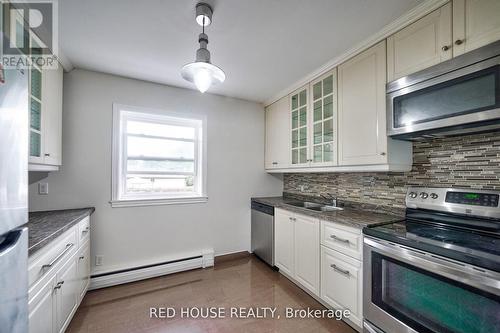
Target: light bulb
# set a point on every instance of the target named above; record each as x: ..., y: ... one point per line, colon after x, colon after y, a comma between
x: 202, y: 79
x: 203, y: 75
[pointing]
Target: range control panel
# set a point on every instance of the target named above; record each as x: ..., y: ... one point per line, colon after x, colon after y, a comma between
x: 463, y: 201
x: 472, y: 198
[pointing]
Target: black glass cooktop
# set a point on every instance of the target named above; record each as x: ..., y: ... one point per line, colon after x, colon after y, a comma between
x: 476, y: 247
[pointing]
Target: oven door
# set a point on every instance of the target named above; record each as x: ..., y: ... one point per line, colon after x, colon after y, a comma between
x: 467, y: 97
x: 407, y: 290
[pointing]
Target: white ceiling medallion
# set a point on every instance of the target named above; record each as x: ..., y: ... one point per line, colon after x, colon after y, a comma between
x: 201, y: 72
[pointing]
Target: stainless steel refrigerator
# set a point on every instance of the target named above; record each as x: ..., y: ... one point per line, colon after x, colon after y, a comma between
x: 14, y: 128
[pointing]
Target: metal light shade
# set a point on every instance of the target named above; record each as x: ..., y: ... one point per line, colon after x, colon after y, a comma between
x: 203, y: 74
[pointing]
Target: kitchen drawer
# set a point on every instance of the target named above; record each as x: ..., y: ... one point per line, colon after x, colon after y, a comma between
x: 341, y: 283
x: 83, y: 230
x: 346, y: 240
x: 54, y: 253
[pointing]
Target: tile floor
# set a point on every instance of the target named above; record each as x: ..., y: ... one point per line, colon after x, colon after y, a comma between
x: 243, y: 281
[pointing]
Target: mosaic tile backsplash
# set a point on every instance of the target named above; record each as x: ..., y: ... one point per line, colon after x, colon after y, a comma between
x: 471, y: 161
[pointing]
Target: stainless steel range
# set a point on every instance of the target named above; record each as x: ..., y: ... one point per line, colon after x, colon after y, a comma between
x: 437, y: 270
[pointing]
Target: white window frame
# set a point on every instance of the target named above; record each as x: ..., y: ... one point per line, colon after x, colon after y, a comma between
x: 122, y: 113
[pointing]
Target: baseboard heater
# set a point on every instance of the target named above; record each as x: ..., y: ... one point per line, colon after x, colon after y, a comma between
x: 121, y: 276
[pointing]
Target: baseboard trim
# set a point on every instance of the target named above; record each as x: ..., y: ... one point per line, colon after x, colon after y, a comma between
x: 232, y: 256
x: 205, y: 259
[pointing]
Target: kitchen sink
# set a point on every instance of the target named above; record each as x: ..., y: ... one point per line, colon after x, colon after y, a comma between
x: 314, y: 206
x: 305, y: 204
x: 326, y: 208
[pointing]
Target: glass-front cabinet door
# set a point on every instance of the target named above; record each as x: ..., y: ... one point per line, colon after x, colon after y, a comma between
x: 35, y: 102
x: 299, y: 123
x: 324, y: 120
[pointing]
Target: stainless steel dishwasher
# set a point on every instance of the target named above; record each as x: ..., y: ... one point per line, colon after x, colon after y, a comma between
x: 263, y: 232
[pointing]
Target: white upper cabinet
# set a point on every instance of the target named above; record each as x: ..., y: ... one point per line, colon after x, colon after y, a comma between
x: 46, y: 89
x: 454, y: 29
x: 323, y: 120
x: 362, y: 127
x: 277, y: 153
x: 422, y: 44
x: 52, y: 87
x: 475, y: 24
x: 299, y: 127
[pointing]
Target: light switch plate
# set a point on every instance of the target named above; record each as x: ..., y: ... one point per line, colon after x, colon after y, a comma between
x: 43, y: 188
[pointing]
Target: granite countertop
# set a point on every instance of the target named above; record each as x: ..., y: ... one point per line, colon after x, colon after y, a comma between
x: 45, y: 226
x: 354, y: 215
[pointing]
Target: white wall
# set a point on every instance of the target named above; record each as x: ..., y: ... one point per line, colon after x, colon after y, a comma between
x: 127, y: 237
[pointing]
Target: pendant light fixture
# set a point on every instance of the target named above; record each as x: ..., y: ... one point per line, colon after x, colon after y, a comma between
x: 201, y: 72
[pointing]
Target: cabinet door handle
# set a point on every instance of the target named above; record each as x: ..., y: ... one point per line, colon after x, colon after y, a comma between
x: 338, y: 239
x: 59, y: 285
x: 59, y: 256
x: 85, y: 230
x: 47, y: 154
x: 340, y: 270
x: 445, y: 48
x: 459, y: 42
x: 81, y: 257
x: 383, y: 153
x: 275, y: 163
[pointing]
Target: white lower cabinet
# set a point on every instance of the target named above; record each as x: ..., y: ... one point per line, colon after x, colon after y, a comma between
x: 83, y: 270
x: 341, y: 283
x: 323, y: 258
x: 67, y: 292
x: 57, y: 290
x: 297, y: 248
x: 307, y: 252
x: 284, y: 241
x: 42, y: 311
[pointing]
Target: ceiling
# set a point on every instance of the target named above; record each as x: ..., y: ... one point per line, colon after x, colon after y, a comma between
x: 263, y: 46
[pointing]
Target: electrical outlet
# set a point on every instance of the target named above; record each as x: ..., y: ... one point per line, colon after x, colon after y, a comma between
x: 43, y: 188
x: 98, y: 260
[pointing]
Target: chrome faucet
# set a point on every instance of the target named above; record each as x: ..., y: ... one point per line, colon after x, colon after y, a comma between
x: 330, y: 197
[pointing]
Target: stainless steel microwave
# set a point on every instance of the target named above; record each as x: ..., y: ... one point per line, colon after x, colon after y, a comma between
x: 458, y: 96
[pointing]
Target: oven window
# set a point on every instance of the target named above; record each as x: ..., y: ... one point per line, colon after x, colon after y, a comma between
x: 431, y: 303
x: 468, y: 94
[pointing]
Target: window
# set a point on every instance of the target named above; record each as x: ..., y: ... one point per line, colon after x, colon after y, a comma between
x: 158, y: 157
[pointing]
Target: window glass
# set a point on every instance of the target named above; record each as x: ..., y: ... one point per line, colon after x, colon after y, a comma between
x: 160, y: 157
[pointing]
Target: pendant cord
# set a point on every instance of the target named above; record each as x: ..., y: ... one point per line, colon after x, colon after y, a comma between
x: 203, y: 28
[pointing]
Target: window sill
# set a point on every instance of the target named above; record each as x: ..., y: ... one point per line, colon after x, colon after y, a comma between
x: 157, y: 202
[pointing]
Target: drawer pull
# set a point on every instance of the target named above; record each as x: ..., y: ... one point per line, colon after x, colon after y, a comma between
x: 338, y: 239
x: 59, y: 256
x: 85, y: 230
x: 81, y: 257
x: 59, y: 285
x: 340, y: 270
